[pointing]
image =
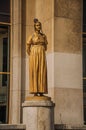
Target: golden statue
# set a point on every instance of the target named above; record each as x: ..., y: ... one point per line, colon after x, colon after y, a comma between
x: 36, y: 47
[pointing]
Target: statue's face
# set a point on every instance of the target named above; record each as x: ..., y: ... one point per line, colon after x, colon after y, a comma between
x: 38, y: 26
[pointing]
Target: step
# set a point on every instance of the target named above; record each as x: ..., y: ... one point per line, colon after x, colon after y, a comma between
x: 12, y: 127
x: 69, y: 127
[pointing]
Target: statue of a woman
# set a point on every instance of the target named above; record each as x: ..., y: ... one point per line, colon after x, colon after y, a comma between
x: 36, y: 47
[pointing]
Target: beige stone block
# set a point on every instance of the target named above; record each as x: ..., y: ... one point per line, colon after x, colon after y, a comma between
x: 24, y: 78
x: 67, y: 37
x: 30, y: 11
x: 61, y: 8
x: 75, y: 25
x: 68, y: 70
x: 16, y: 40
x: 29, y: 31
x: 23, y: 44
x: 15, y: 106
x: 27, y: 77
x: 23, y: 49
x: 68, y: 8
x: 16, y: 74
x: 50, y: 69
x: 24, y: 11
x: 69, y: 106
x: 16, y: 8
x: 41, y: 9
x: 75, y: 41
x: 51, y: 93
x: 48, y: 31
x: 75, y: 9
x: 44, y: 9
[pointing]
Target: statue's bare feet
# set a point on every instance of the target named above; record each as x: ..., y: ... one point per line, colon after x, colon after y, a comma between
x: 41, y: 94
x: 35, y: 94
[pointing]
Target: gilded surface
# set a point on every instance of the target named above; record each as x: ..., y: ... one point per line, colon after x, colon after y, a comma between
x: 38, y: 98
x: 36, y: 47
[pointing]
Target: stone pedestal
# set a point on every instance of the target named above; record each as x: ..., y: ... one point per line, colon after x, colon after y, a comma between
x: 38, y: 114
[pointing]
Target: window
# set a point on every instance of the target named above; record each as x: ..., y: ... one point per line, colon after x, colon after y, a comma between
x: 5, y: 11
x: 4, y: 59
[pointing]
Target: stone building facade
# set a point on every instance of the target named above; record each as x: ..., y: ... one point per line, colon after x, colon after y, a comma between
x: 62, y: 22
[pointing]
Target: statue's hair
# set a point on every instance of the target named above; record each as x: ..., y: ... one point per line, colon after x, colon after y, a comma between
x: 35, y: 20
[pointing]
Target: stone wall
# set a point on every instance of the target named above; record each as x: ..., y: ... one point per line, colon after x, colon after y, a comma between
x: 61, y: 20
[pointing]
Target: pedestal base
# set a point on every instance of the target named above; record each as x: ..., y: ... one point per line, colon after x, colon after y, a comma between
x: 38, y: 114
x: 38, y: 98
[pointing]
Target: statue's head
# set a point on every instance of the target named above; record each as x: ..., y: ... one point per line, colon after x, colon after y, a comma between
x: 37, y: 25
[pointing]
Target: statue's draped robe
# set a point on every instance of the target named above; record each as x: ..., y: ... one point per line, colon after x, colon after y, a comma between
x: 37, y: 45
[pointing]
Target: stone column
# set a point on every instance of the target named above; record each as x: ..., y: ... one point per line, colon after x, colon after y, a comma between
x: 38, y: 114
x: 15, y: 90
x: 68, y: 84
